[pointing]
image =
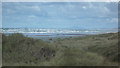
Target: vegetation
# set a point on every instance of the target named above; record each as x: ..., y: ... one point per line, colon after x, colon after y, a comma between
x: 20, y: 49
x: 0, y: 49
x: 93, y: 50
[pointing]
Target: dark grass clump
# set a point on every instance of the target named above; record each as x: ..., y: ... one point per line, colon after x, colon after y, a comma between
x: 20, y: 49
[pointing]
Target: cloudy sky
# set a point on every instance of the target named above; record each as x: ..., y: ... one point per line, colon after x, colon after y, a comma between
x: 70, y: 15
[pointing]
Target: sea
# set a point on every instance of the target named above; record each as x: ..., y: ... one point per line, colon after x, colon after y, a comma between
x: 51, y: 33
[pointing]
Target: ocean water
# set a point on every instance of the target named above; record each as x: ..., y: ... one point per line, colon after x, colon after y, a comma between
x: 42, y: 33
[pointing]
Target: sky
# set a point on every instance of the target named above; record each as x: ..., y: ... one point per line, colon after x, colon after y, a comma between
x: 60, y: 15
x: 0, y: 15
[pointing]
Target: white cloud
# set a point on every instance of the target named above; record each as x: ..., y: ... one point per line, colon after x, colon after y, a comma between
x: 84, y: 7
x: 91, y: 5
x: 104, y: 11
x: 37, y: 8
x: 20, y: 6
x: 32, y: 16
x: 114, y: 20
x: 51, y: 5
x: 10, y: 11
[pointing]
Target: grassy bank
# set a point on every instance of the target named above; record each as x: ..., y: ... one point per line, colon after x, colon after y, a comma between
x: 93, y: 50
